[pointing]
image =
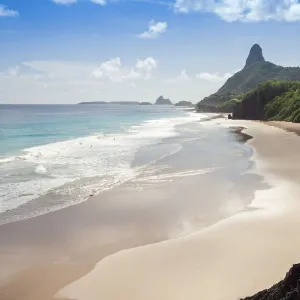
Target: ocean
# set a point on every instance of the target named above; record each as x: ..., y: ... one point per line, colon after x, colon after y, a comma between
x: 61, y: 155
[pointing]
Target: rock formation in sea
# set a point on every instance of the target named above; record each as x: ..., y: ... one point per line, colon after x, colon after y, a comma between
x: 163, y: 101
x: 287, y: 289
x: 185, y: 104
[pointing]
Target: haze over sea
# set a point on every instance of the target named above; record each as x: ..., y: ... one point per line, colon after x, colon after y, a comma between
x: 72, y: 151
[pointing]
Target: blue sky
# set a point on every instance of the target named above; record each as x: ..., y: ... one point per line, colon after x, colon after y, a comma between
x: 58, y: 52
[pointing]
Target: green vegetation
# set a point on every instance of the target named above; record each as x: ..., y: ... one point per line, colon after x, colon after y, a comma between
x: 285, y: 107
x: 216, y: 98
x: 272, y: 100
x: 256, y: 71
x: 185, y: 104
x: 249, y: 78
x: 228, y: 106
x: 260, y: 91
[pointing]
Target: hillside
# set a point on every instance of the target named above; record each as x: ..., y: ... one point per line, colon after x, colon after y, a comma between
x: 256, y: 71
x: 272, y: 100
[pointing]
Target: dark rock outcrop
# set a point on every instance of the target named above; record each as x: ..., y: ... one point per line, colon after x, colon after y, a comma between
x: 255, y: 55
x: 287, y: 289
x: 163, y: 101
x: 251, y: 108
x: 185, y: 104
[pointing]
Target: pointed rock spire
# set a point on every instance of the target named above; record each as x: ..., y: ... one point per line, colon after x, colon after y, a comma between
x: 255, y: 55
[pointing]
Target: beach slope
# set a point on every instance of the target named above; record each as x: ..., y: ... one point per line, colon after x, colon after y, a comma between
x: 234, y: 258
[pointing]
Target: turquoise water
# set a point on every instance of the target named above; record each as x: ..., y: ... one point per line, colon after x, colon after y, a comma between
x: 24, y: 126
x: 53, y: 156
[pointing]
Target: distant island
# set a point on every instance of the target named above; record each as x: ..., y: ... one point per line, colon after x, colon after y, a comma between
x: 112, y: 102
x: 163, y: 101
x: 260, y: 91
x: 146, y: 103
x: 185, y: 104
x: 160, y: 101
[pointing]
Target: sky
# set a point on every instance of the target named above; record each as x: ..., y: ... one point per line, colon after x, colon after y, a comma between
x: 69, y: 51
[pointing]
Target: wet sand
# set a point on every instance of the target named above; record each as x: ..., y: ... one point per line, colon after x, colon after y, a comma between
x: 234, y: 258
x: 177, y: 195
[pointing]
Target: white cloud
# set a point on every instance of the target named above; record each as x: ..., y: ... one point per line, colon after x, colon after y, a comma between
x: 13, y: 71
x: 132, y: 85
x: 75, y: 81
x: 22, y: 70
x: 293, y: 14
x: 113, y: 70
x: 145, y: 67
x: 70, y: 2
x: 101, y: 2
x: 59, y: 69
x: 155, y: 29
x: 244, y: 10
x: 213, y: 77
x: 183, y: 77
x: 6, y: 12
x: 65, y: 2
x: 110, y: 69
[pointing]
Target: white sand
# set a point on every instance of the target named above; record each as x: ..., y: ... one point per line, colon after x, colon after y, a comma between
x: 234, y: 258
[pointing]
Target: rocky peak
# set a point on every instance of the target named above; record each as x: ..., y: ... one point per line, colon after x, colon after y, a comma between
x: 255, y: 55
x: 163, y: 101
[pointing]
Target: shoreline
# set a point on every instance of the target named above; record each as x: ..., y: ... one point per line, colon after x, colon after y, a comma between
x: 260, y: 250
x: 60, y: 247
x: 73, y: 272
x: 74, y: 168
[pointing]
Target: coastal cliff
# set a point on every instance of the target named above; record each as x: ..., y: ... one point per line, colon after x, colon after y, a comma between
x: 287, y: 289
x: 272, y: 100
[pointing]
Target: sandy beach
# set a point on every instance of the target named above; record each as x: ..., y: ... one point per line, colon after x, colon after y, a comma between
x: 236, y: 257
x: 159, y: 237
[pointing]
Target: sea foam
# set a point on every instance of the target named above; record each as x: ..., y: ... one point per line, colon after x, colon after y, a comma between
x: 80, y: 167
